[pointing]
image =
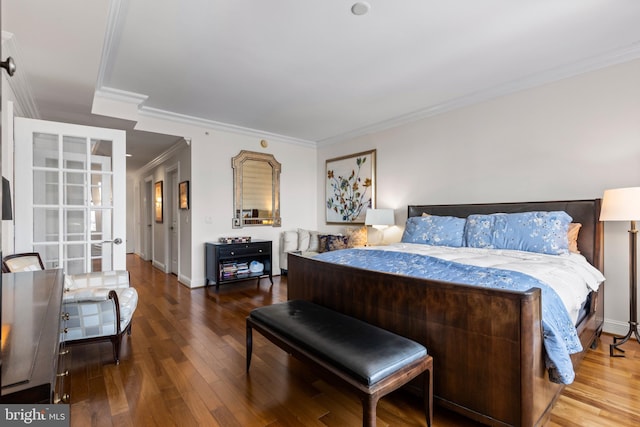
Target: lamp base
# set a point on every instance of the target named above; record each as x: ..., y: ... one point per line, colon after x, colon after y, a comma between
x: 380, y: 233
x: 618, y: 341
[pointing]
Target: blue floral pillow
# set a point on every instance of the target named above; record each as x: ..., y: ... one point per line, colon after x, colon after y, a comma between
x: 541, y: 232
x: 434, y: 230
x: 478, y: 231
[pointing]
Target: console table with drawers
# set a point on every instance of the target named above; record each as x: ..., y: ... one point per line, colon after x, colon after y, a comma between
x: 230, y: 262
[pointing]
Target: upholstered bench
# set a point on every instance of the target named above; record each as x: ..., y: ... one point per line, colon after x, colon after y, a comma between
x: 371, y: 360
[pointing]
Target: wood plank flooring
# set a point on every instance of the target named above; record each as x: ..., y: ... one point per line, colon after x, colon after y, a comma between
x: 184, y: 365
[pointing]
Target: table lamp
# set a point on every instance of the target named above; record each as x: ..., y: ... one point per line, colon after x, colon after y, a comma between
x: 379, y: 219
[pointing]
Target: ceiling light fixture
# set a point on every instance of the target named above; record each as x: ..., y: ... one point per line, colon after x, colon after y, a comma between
x: 360, y: 8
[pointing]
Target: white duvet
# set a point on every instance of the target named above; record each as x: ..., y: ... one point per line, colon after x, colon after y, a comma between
x: 571, y: 275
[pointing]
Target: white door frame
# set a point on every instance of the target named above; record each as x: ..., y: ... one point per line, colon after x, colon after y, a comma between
x: 172, y: 174
x: 146, y: 213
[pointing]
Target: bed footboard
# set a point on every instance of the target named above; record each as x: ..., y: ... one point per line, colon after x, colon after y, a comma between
x: 486, y: 344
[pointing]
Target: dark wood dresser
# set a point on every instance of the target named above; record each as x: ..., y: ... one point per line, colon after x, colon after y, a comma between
x: 223, y: 261
x: 32, y: 322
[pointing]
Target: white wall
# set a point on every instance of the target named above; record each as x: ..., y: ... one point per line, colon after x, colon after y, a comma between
x: 7, y: 164
x: 10, y: 107
x: 568, y: 140
x: 213, y: 191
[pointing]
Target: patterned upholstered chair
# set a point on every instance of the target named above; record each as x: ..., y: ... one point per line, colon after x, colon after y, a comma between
x: 100, y: 305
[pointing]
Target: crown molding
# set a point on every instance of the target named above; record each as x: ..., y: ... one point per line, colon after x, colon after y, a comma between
x: 629, y: 53
x: 219, y: 126
x: 118, y: 95
x: 137, y: 101
x: 164, y: 156
x: 111, y: 39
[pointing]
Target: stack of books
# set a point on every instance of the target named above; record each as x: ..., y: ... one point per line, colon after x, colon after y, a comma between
x: 228, y: 270
x: 232, y: 270
x: 242, y: 269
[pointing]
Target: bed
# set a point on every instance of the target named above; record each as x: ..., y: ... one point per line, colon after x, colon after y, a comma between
x: 487, y: 344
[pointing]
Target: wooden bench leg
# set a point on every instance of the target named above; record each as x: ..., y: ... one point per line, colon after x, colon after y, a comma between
x: 369, y: 404
x: 428, y: 394
x: 249, y: 344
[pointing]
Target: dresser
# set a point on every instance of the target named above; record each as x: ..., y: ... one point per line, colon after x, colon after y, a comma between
x: 228, y: 262
x: 33, y: 359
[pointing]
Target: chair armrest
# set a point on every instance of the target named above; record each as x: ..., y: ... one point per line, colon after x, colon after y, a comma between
x: 86, y: 294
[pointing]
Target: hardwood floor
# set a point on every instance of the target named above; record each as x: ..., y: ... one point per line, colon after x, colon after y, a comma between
x: 184, y: 365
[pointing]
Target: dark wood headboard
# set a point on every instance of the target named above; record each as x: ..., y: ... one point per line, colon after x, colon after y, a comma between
x: 586, y: 212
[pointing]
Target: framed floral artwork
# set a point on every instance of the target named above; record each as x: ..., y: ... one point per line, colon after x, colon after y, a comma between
x: 350, y: 187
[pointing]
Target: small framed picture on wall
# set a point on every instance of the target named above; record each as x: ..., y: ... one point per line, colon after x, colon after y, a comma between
x: 158, y: 201
x: 183, y: 195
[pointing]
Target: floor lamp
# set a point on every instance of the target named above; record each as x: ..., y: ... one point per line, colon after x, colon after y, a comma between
x: 623, y: 204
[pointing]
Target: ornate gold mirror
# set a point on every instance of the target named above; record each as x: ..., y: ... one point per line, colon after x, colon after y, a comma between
x: 256, y: 189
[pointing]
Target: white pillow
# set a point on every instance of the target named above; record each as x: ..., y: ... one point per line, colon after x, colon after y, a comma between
x: 314, y: 242
x: 303, y: 239
x: 289, y: 241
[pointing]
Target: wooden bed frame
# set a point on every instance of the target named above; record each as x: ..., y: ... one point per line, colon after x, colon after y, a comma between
x: 486, y: 343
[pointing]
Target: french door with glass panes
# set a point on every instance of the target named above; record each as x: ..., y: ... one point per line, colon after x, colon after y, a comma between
x: 70, y: 195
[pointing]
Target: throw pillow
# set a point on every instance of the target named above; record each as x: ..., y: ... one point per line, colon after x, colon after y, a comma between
x: 303, y: 239
x: 331, y: 242
x: 541, y: 232
x: 572, y: 236
x: 314, y: 243
x: 289, y: 241
x: 356, y: 237
x: 434, y: 230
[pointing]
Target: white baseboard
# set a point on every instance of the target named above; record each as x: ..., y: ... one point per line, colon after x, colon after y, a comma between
x: 615, y: 327
x: 186, y: 281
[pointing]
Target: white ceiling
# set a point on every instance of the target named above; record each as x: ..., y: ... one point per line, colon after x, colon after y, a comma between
x: 308, y: 71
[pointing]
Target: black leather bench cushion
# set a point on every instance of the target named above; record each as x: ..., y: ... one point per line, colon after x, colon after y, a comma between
x: 364, y: 351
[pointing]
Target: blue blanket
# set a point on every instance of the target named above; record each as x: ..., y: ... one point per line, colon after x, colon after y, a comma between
x: 560, y: 335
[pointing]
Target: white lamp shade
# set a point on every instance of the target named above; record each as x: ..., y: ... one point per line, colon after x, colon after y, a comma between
x: 621, y: 204
x: 379, y: 217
